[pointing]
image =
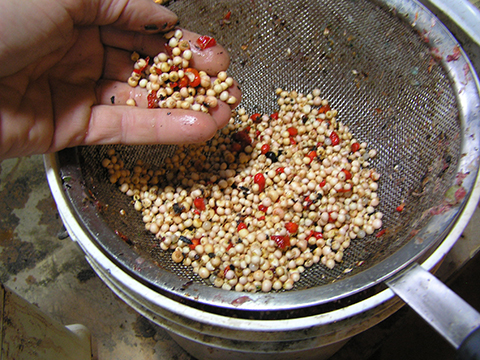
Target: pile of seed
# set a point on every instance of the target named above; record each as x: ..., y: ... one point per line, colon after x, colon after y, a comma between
x: 172, y: 83
x: 267, y: 197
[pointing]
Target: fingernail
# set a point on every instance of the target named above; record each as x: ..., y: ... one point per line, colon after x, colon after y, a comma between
x: 151, y: 27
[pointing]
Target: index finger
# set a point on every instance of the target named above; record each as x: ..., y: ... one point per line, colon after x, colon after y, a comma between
x: 212, y: 60
x: 138, y: 126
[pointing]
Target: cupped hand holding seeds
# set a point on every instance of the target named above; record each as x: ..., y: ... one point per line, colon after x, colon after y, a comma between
x: 63, y: 80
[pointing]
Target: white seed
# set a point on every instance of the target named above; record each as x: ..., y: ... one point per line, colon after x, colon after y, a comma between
x: 315, y: 195
x: 187, y: 54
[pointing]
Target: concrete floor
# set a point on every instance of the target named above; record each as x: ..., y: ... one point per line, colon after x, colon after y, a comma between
x: 54, y: 275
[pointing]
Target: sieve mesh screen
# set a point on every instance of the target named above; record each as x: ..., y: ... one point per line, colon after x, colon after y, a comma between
x: 374, y: 69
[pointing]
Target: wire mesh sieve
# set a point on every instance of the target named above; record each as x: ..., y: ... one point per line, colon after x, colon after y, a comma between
x: 389, y: 86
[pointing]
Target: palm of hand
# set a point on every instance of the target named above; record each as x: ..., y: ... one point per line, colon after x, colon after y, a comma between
x: 46, y: 106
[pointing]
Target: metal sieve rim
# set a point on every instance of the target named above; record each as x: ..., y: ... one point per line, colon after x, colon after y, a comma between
x: 423, y: 242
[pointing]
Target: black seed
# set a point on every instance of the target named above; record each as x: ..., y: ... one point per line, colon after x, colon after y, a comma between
x: 186, y: 240
x: 272, y: 156
x: 178, y: 209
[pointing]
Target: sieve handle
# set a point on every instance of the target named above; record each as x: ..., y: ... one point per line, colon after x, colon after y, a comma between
x: 444, y: 310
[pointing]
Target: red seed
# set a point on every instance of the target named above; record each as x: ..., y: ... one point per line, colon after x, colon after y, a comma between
x: 260, y: 180
x: 262, y: 208
x: 152, y: 100
x: 348, y: 174
x: 323, y: 183
x: 227, y: 268
x: 194, y: 243
x: 400, y: 207
x: 192, y: 76
x: 381, y: 233
x: 292, y: 131
x: 281, y: 241
x: 168, y: 49
x: 147, y: 59
x: 355, y: 147
x: 317, y: 235
x: 199, y: 203
x: 183, y: 82
x: 256, y: 118
x: 334, y: 138
x: 324, y: 109
x: 205, y: 42
x: 280, y: 170
x: 291, y: 227
x: 312, y: 155
x: 274, y: 116
x: 265, y: 148
x: 241, y: 226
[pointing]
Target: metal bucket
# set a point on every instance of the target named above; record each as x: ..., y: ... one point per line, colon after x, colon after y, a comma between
x: 212, y: 336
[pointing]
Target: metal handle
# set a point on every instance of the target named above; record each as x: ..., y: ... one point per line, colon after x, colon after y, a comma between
x: 444, y: 310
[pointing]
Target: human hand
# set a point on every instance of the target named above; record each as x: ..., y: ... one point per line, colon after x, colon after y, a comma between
x: 63, y: 62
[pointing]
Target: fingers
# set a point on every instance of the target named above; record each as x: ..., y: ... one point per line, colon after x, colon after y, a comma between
x: 117, y: 93
x: 134, y: 15
x: 135, y: 126
x: 118, y: 64
x: 139, y: 125
x: 211, y: 60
